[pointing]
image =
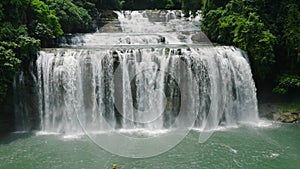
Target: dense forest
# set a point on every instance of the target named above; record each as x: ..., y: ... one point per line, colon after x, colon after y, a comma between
x: 268, y: 31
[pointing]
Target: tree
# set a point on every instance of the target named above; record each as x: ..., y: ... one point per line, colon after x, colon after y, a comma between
x: 19, y: 22
x: 73, y: 19
x: 15, y: 47
x: 170, y: 4
x: 269, y: 30
x: 238, y: 24
x: 44, y: 24
x: 8, y: 65
x: 191, y: 5
x: 291, y: 35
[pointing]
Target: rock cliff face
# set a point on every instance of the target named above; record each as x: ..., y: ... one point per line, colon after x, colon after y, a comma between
x: 108, y: 22
x: 6, y: 115
x: 25, y: 100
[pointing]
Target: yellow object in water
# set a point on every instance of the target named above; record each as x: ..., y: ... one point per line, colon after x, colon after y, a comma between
x: 114, y: 166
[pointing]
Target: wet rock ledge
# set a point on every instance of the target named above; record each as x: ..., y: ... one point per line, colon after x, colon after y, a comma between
x: 274, y: 112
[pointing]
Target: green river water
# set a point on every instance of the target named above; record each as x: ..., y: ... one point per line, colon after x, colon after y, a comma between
x: 276, y: 146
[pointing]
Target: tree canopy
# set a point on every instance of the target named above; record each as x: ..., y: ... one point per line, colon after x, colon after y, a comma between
x: 26, y: 25
x: 268, y: 30
x: 73, y: 18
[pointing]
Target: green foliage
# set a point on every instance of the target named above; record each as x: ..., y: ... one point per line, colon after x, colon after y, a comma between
x: 41, y: 10
x: 191, y: 5
x: 8, y: 65
x: 291, y: 34
x: 251, y: 35
x: 287, y: 82
x: 8, y: 61
x: 16, y: 45
x: 89, y: 6
x: 45, y: 24
x: 208, y: 5
x: 27, y: 47
x: 72, y: 18
x: 210, y: 25
x: 238, y: 24
x: 1, y: 13
x: 15, y: 11
x: 17, y: 39
x: 170, y: 4
x: 269, y: 30
x: 35, y: 14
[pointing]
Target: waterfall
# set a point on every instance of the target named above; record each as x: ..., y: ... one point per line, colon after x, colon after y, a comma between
x: 25, y: 100
x: 139, y: 88
x: 160, y: 72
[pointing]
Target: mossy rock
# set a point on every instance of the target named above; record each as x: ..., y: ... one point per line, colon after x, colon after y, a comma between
x: 289, y: 117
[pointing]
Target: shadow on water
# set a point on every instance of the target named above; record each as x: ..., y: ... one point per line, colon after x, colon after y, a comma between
x: 11, y: 137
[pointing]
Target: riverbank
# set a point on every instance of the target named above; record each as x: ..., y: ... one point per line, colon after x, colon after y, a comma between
x: 284, y: 112
x: 279, y: 107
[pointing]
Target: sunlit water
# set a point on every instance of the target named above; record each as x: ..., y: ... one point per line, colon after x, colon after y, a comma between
x: 275, y: 146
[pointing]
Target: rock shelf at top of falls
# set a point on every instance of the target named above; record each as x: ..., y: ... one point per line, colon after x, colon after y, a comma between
x: 142, y: 28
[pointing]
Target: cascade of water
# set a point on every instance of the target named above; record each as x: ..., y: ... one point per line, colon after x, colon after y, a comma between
x: 26, y: 110
x: 21, y: 108
x: 145, y: 86
x: 137, y: 80
x: 141, y: 28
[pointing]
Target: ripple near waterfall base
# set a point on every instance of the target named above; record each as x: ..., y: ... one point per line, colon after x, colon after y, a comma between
x: 138, y: 92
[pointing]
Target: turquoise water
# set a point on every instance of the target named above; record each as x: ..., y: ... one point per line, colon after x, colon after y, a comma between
x: 277, y: 146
